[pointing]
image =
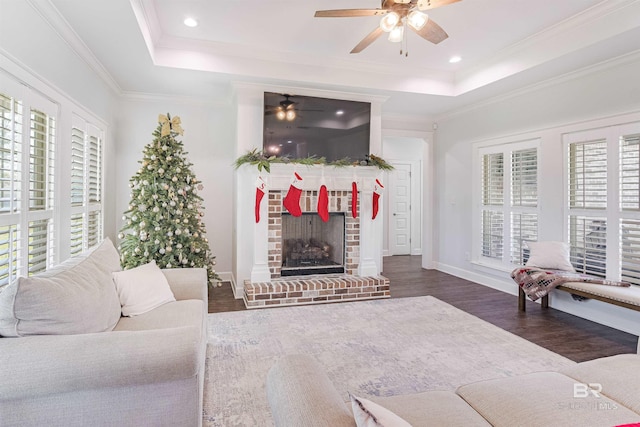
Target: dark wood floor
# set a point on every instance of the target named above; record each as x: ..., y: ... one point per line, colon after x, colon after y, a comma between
x: 575, y: 338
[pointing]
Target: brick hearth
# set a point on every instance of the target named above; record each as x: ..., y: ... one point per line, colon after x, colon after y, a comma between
x: 314, y: 289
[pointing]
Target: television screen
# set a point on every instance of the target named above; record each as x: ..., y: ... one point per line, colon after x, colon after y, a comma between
x: 302, y: 126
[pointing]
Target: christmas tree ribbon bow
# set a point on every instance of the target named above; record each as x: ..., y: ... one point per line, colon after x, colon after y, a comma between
x: 169, y: 125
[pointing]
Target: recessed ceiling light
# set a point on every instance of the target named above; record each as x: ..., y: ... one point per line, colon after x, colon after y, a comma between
x: 339, y: 112
x: 289, y: 142
x: 455, y: 59
x: 190, y: 22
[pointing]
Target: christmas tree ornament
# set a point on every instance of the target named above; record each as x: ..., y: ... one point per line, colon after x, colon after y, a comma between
x: 378, y: 188
x: 292, y: 200
x: 261, y: 188
x: 354, y: 199
x: 323, y: 203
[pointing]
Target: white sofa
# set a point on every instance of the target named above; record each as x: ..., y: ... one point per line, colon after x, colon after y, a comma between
x: 146, y: 370
x: 301, y: 394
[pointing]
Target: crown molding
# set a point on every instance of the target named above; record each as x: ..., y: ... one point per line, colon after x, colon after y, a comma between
x: 604, y: 65
x: 52, y: 16
x: 176, y: 99
x: 306, y: 91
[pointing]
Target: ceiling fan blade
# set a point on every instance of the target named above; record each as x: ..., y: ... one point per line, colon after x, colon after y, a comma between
x: 365, y: 42
x: 431, y: 31
x: 432, y: 4
x: 348, y: 13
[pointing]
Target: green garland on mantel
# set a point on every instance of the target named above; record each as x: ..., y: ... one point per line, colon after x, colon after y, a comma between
x: 263, y: 162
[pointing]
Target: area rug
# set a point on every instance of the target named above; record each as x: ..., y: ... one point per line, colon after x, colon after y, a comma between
x: 379, y: 348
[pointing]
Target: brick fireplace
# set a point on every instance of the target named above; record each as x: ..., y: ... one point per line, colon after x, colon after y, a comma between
x: 264, y: 284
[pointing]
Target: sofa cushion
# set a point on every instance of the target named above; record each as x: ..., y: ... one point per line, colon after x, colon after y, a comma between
x: 542, y: 399
x: 370, y: 414
x: 435, y: 408
x: 300, y: 394
x: 142, y: 289
x: 175, y: 314
x: 619, y: 377
x: 76, y: 297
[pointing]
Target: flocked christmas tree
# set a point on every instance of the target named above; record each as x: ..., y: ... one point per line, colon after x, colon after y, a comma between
x: 164, y: 218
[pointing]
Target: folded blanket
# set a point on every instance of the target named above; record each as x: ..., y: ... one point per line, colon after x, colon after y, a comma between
x: 536, y: 282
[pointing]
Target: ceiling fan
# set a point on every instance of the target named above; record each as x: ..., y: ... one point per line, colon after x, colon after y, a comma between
x: 284, y: 110
x: 395, y: 14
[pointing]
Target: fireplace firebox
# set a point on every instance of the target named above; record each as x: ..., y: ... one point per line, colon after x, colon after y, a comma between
x: 312, y: 246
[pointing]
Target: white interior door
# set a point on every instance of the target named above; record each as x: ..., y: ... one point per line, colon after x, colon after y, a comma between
x: 400, y: 209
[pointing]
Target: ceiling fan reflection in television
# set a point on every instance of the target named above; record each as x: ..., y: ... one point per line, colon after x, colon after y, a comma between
x: 286, y: 109
x: 396, y: 15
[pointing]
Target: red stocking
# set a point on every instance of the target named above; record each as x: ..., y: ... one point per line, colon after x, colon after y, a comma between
x: 261, y: 187
x: 292, y: 199
x: 354, y: 199
x: 323, y: 203
x: 378, y: 188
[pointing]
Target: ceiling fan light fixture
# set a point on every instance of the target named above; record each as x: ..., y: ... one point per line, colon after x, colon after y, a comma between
x: 389, y: 22
x: 290, y: 115
x: 417, y: 19
x: 280, y: 115
x: 396, y: 35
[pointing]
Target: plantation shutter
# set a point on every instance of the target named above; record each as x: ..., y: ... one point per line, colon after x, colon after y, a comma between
x: 492, y: 197
x: 524, y: 178
x: 9, y: 244
x: 524, y: 228
x: 10, y: 154
x: 524, y: 202
x: 630, y: 206
x: 587, y: 206
x: 86, y: 179
x: 41, y: 190
x: 493, y: 179
x: 588, y: 175
x: 77, y: 166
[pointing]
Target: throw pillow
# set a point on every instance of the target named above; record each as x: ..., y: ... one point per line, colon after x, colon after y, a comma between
x: 142, y: 289
x: 551, y: 255
x: 76, y: 297
x: 369, y: 414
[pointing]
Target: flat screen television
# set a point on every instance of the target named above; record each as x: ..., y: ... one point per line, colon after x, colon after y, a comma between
x: 302, y: 126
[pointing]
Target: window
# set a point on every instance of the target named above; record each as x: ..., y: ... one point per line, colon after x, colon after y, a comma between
x: 604, y: 202
x: 27, y: 185
x: 509, y: 202
x: 86, y: 185
x: 587, y: 206
x: 50, y: 185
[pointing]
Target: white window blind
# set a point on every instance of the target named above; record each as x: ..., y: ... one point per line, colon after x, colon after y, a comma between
x: 587, y: 206
x: 588, y: 175
x: 509, y: 201
x: 86, y: 185
x: 493, y: 179
x: 27, y: 167
x: 630, y: 173
x: 630, y: 250
x: 630, y: 208
x: 524, y: 178
x: 524, y: 228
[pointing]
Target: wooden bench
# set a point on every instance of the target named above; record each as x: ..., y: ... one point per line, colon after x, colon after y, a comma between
x: 622, y: 297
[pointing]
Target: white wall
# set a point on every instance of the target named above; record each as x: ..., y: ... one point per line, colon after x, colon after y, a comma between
x: 571, y: 102
x: 32, y: 51
x: 208, y: 138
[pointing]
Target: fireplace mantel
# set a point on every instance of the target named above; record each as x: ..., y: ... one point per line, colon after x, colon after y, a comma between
x: 252, y: 240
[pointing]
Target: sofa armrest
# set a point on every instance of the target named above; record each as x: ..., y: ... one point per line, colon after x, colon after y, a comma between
x: 301, y: 394
x: 187, y: 283
x: 50, y: 364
